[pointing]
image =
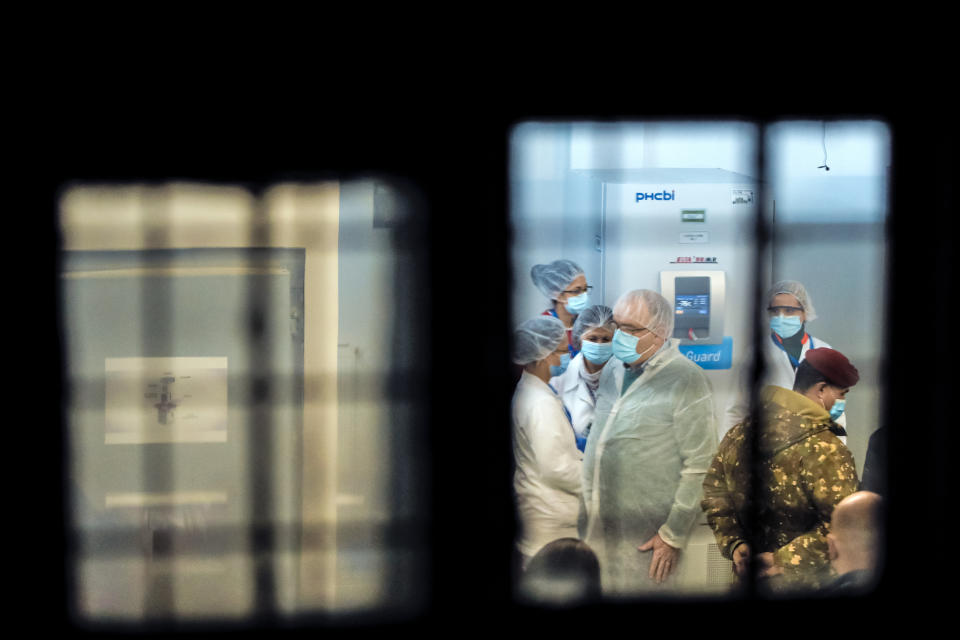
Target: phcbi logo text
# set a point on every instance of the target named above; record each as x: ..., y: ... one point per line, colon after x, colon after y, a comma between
x: 661, y: 195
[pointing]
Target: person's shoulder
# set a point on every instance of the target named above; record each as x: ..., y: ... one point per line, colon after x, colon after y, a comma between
x: 612, y: 373
x: 732, y: 440
x: 829, y: 439
x: 822, y: 447
x: 817, y: 343
x: 736, y: 433
x: 531, y: 388
x: 535, y: 400
x: 878, y: 438
x: 536, y: 391
x: 851, y: 583
x: 683, y: 366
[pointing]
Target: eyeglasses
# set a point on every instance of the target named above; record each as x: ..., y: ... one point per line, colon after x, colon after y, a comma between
x: 632, y: 330
x: 579, y: 290
x: 787, y: 311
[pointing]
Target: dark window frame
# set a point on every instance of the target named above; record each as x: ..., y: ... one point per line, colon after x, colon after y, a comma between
x: 469, y: 468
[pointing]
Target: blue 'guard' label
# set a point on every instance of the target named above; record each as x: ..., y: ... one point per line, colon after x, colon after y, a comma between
x: 710, y: 356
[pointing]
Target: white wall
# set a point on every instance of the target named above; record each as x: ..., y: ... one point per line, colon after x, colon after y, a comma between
x: 554, y: 212
x: 677, y: 145
x: 829, y: 233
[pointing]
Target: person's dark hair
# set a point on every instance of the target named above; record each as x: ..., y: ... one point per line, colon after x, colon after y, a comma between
x: 807, y: 376
x: 565, y: 561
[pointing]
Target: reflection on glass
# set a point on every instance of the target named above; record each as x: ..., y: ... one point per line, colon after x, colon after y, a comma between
x: 230, y: 402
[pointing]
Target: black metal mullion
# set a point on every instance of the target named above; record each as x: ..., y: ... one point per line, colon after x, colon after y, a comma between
x: 259, y: 420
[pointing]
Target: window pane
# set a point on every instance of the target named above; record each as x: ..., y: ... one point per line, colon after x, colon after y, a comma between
x: 668, y: 207
x: 236, y: 428
x: 829, y: 183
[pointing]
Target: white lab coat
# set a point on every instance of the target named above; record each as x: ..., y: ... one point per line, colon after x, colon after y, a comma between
x: 779, y: 372
x: 575, y: 394
x: 549, y: 466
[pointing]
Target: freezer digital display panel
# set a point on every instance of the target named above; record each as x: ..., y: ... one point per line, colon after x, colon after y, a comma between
x: 691, y: 307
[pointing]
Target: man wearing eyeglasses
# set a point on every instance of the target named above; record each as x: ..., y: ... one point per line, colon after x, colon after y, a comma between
x: 789, y: 309
x: 651, y: 443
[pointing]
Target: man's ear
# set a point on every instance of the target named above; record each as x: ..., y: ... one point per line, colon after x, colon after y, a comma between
x: 831, y: 547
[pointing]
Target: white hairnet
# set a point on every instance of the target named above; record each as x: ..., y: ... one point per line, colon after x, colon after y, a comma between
x: 648, y: 309
x: 537, y: 338
x: 798, y: 291
x: 592, y: 318
x: 553, y: 278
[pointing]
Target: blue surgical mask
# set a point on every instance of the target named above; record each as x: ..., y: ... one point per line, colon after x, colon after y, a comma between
x: 564, y: 362
x: 625, y: 346
x: 578, y: 303
x: 785, y: 326
x: 837, y: 409
x: 596, y: 352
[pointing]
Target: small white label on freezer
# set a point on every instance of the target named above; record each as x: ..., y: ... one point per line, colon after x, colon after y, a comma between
x: 700, y: 237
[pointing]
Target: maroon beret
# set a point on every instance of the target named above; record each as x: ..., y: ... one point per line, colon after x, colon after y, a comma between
x: 833, y: 365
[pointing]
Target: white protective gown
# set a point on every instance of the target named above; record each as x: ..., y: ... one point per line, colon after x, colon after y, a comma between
x: 549, y: 466
x: 646, y: 458
x: 779, y: 372
x: 576, y: 395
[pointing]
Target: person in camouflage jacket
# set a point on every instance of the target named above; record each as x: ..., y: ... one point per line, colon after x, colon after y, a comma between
x: 803, y: 470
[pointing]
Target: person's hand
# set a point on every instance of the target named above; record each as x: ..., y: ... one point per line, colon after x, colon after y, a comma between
x: 741, y: 559
x: 766, y: 567
x: 664, y: 557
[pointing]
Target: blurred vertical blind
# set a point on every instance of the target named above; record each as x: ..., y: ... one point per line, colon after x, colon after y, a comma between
x: 232, y: 411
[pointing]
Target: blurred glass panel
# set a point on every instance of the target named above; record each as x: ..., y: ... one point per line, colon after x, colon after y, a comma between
x: 234, y: 428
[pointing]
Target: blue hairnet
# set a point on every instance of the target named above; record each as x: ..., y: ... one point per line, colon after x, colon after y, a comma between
x: 553, y: 278
x: 647, y: 309
x: 537, y: 338
x: 592, y: 318
x: 799, y: 292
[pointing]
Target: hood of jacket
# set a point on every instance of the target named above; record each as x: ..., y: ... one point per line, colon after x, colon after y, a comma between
x: 790, y: 417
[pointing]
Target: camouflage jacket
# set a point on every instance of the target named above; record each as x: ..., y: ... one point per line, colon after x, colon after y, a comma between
x: 803, y: 469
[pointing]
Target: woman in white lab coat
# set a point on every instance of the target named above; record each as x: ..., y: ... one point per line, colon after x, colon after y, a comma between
x: 565, y: 285
x: 577, y: 386
x: 548, y: 464
x: 789, y: 309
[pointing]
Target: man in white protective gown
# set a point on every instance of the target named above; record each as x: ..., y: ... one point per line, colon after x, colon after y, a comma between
x: 653, y: 438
